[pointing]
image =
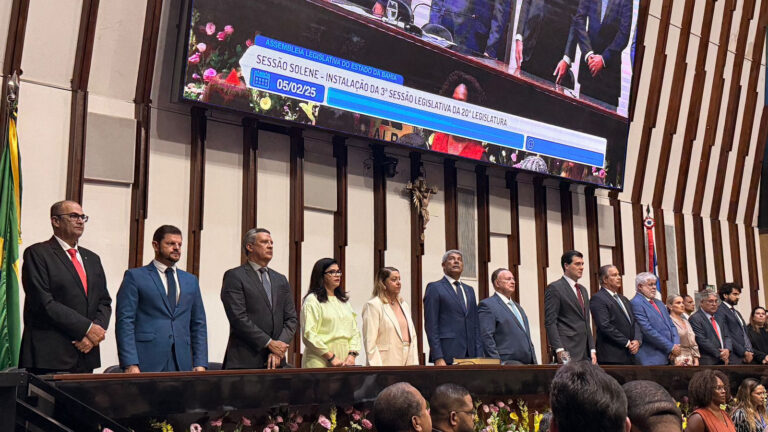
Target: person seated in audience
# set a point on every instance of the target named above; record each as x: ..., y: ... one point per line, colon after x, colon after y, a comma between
x: 749, y: 414
x: 329, y: 326
x: 689, y: 351
x: 388, y: 332
x: 452, y: 409
x: 585, y: 398
x: 546, y: 420
x: 661, y: 342
x: 690, y: 306
x: 401, y: 408
x: 758, y: 335
x: 504, y: 324
x: 450, y: 315
x: 651, y: 408
x: 707, y: 391
x: 734, y: 323
x: 714, y: 343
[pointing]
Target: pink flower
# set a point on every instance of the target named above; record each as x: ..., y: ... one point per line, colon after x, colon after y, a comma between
x: 217, y: 423
x: 367, y: 424
x: 279, y: 419
x: 602, y: 174
x: 248, y: 42
x: 267, y: 429
x: 210, y: 29
x: 485, y: 408
x: 275, y: 428
x: 106, y: 430
x: 209, y: 74
x: 246, y: 422
x: 196, y: 76
x: 348, y: 410
x: 514, y: 157
x: 221, y: 36
x: 194, y: 427
x: 324, y: 422
x: 229, y: 29
x: 202, y: 47
x: 270, y: 426
x: 194, y: 58
x: 500, y: 404
x: 355, y: 416
x: 494, y: 408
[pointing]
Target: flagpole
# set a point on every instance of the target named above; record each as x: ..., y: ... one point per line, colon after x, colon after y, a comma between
x: 11, y: 100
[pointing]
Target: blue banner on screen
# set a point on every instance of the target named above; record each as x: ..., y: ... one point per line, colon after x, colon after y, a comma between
x: 287, y: 85
x: 563, y: 151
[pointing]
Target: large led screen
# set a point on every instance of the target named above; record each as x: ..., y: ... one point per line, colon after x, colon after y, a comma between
x: 540, y: 85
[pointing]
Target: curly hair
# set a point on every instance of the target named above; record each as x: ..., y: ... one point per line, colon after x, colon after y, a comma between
x: 701, y: 388
x: 475, y: 93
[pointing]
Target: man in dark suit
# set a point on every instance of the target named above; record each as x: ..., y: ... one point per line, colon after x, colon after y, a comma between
x: 602, y: 28
x: 468, y: 22
x: 660, y: 337
x: 259, y: 306
x: 545, y: 41
x: 503, y: 323
x: 161, y: 323
x: 566, y: 313
x: 735, y: 326
x: 618, y: 334
x: 714, y: 343
x: 450, y: 315
x: 67, y: 305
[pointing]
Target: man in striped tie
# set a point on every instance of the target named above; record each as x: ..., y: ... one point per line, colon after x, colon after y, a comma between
x: 67, y: 305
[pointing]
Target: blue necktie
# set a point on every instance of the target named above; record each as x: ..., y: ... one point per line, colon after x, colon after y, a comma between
x: 621, y: 305
x: 517, y: 313
x: 171, y: 288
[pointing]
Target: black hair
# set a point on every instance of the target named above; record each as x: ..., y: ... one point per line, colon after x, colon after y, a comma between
x: 584, y: 398
x: 163, y: 230
x: 394, y: 408
x: 317, y: 285
x: 702, y: 385
x: 727, y: 288
x: 650, y: 407
x: 567, y: 257
x: 475, y: 93
x: 446, y: 398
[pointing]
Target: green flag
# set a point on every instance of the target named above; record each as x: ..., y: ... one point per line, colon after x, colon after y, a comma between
x: 10, y: 237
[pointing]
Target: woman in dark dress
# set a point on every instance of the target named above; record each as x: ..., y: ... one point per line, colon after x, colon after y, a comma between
x: 758, y: 335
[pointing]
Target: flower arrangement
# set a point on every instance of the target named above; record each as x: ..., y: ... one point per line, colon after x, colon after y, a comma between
x: 506, y: 417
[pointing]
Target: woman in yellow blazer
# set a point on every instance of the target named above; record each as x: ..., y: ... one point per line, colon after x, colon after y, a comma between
x: 388, y: 333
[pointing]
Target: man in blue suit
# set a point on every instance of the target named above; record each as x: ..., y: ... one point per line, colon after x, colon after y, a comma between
x: 450, y: 315
x: 503, y: 323
x: 660, y: 337
x: 468, y: 21
x: 160, y: 316
x: 602, y: 29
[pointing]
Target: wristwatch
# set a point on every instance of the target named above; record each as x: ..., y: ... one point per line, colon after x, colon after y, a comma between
x: 353, y: 353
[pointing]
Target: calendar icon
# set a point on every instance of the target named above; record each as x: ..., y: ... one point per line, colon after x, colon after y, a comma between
x: 259, y: 78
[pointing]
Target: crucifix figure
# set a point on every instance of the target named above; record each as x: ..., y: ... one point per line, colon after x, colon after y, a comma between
x: 420, y: 195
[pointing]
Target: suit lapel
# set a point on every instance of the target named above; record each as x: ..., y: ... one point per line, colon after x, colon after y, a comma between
x: 505, y: 309
x: 456, y: 296
x: 155, y: 276
x: 273, y: 285
x: 259, y: 287
x: 391, y: 316
x: 67, y: 262
x: 571, y: 295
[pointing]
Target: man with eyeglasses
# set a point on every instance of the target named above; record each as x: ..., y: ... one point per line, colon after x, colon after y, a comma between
x: 452, y: 409
x: 67, y: 305
x: 709, y: 328
x: 661, y: 341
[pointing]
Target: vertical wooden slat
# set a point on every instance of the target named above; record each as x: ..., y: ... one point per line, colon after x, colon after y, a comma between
x: 250, y: 175
x: 700, y: 251
x: 483, y: 231
x: 641, y: 263
x: 717, y: 252
x: 79, y: 107
x: 140, y: 186
x: 451, y: 205
x: 660, y: 244
x: 340, y: 231
x: 14, y: 47
x: 417, y: 253
x: 296, y: 229
x: 593, y: 240
x: 682, y: 255
x: 754, y: 278
x: 513, y: 239
x: 733, y: 237
x: 379, y: 207
x: 542, y: 258
x: 757, y: 166
x: 618, y: 250
x: 642, y: 22
x: 566, y: 215
x: 196, y: 189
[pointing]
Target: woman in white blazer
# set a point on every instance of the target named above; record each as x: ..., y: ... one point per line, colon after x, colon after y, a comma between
x: 388, y: 333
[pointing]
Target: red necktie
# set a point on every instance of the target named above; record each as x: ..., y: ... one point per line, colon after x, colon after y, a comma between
x: 73, y: 254
x: 714, y: 326
x: 578, y: 294
x: 656, y: 307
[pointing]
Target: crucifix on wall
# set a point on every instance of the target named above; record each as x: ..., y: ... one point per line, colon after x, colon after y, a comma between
x: 420, y: 195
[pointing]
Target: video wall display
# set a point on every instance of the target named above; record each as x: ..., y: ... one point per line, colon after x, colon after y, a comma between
x: 540, y: 85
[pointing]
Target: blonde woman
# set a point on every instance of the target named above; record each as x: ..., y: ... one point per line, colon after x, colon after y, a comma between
x: 388, y: 333
x: 689, y: 350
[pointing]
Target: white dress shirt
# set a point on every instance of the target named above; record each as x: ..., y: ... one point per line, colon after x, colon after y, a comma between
x: 161, y: 269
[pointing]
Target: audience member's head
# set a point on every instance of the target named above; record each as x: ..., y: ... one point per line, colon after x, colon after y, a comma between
x: 690, y: 304
x: 584, y: 398
x: 401, y: 408
x: 730, y: 292
x: 751, y: 399
x: 452, y: 409
x: 546, y: 420
x: 650, y: 408
x: 757, y: 318
x: 708, y: 387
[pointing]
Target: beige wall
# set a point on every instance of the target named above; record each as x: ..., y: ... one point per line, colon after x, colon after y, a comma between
x: 44, y: 112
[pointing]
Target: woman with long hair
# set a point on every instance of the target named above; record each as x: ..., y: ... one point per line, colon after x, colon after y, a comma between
x: 689, y: 350
x: 749, y: 413
x: 329, y: 326
x: 388, y: 332
x: 708, y: 390
x: 758, y: 335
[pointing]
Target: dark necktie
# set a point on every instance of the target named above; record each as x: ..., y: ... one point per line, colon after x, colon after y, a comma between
x: 581, y: 298
x: 171, y: 288
x: 267, y: 284
x: 460, y: 296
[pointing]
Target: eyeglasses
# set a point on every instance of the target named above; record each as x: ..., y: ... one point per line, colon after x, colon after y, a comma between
x: 471, y: 412
x: 74, y: 216
x: 333, y: 272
